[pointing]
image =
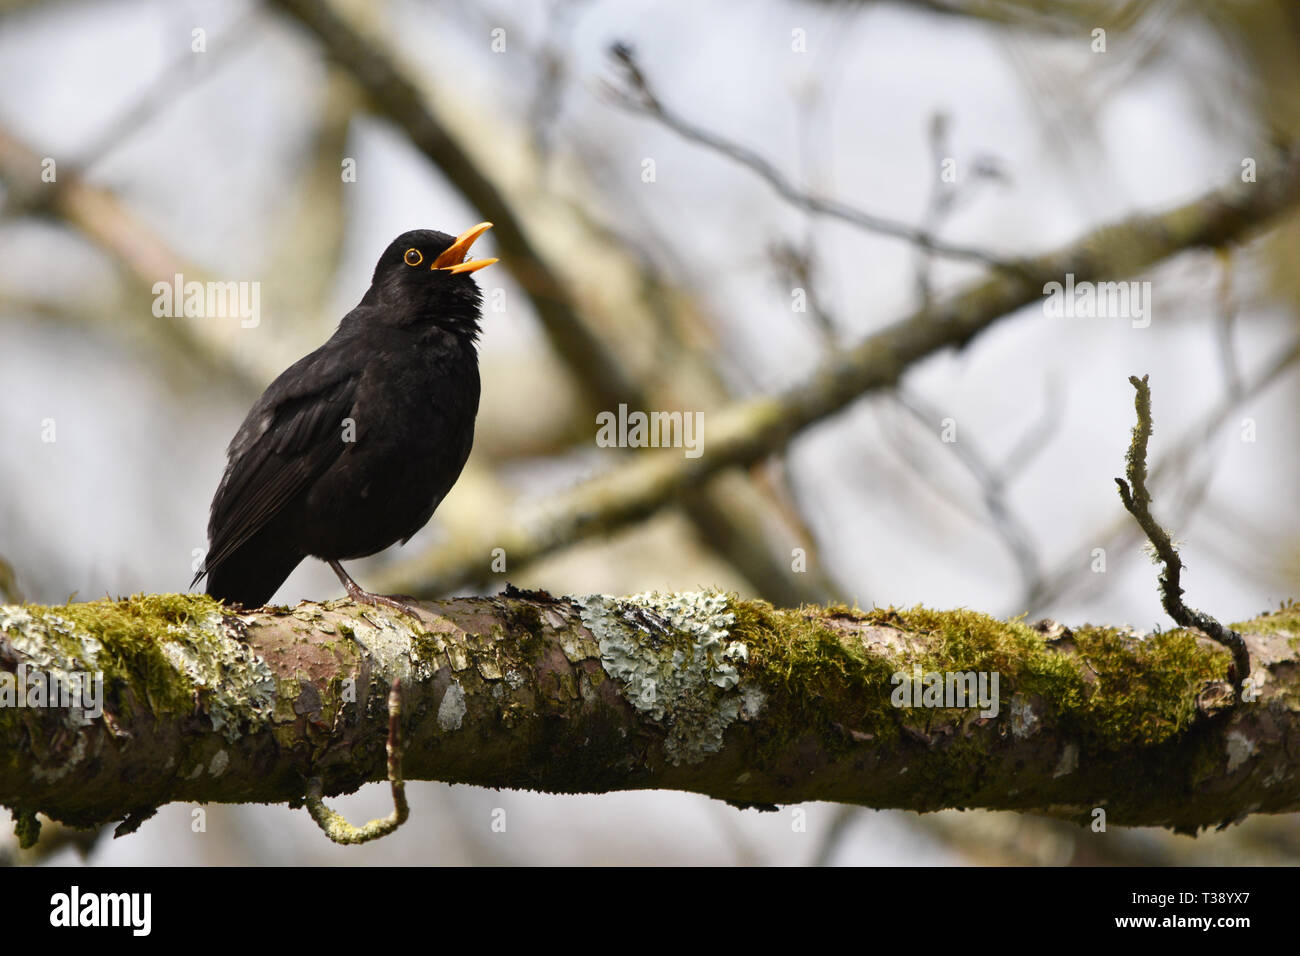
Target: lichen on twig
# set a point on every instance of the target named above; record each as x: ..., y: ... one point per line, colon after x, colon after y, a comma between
x: 1137, y: 500
x: 335, y: 826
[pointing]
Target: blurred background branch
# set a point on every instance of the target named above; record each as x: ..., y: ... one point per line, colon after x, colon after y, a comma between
x: 745, y: 433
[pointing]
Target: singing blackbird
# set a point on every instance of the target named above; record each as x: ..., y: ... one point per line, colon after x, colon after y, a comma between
x: 354, y: 446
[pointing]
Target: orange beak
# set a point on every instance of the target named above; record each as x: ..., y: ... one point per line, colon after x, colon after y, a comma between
x: 453, y: 259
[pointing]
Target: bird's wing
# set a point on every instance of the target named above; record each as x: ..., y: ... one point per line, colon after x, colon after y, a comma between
x: 291, y: 435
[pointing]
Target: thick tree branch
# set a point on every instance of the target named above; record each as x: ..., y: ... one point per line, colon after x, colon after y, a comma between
x: 748, y: 431
x: 700, y: 692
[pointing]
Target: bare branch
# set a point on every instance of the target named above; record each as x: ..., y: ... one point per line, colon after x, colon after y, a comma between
x: 182, y: 74
x: 335, y: 826
x: 1015, y: 534
x: 640, y: 97
x: 1175, y: 461
x: 746, y: 432
x: 1137, y: 500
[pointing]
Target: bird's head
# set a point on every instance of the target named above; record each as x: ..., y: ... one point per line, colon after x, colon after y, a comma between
x: 425, y: 276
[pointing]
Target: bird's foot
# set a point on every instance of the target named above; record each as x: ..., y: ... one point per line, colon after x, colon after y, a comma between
x: 361, y: 596
x: 386, y: 600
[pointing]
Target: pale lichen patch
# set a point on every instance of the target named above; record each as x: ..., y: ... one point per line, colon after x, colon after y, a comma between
x: 458, y: 657
x: 1024, y: 722
x: 71, y: 648
x: 1240, y: 749
x: 219, y: 762
x: 1069, y: 761
x: 63, y: 766
x: 56, y: 648
x: 452, y: 710
x: 239, y: 684
x: 391, y: 643
x: 308, y: 613
x: 678, y: 665
x: 752, y: 701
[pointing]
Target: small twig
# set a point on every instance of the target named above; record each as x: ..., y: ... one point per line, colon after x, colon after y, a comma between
x: 1138, y: 503
x: 945, y: 197
x: 798, y: 266
x: 553, y: 75
x: 335, y: 826
x: 1179, y: 459
x: 992, y: 482
x: 27, y: 828
x: 641, y: 97
x: 1225, y: 326
x: 185, y: 71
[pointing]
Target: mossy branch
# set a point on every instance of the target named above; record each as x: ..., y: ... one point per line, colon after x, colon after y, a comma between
x: 1137, y: 502
x: 700, y: 692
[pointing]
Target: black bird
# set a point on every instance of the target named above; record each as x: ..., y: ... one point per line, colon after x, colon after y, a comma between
x: 353, y: 447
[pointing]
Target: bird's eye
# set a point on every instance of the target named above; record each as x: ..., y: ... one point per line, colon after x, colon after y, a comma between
x: 413, y: 257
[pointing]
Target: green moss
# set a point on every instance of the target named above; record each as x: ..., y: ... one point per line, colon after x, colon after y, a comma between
x: 842, y: 610
x: 129, y: 633
x: 1116, y: 690
x: 425, y: 646
x: 1109, y: 688
x: 809, y: 670
x: 965, y: 640
x: 27, y: 828
x: 1145, y: 690
x: 1285, y: 620
x: 165, y: 652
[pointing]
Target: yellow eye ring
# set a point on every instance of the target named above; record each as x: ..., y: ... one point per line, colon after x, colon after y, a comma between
x: 413, y: 257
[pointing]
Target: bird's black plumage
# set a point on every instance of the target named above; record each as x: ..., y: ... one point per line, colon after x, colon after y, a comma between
x: 352, y: 447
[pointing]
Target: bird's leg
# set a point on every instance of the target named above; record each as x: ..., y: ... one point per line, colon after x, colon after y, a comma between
x: 357, y: 593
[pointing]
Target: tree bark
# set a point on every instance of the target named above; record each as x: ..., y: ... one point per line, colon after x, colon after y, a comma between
x: 696, y: 691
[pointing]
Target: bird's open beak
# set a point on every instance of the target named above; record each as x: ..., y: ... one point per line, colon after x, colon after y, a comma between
x: 453, y: 259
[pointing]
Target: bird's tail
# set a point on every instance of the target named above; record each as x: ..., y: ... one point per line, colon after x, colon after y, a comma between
x: 252, y: 573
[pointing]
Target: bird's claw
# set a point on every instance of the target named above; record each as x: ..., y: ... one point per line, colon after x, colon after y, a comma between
x: 377, y: 600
